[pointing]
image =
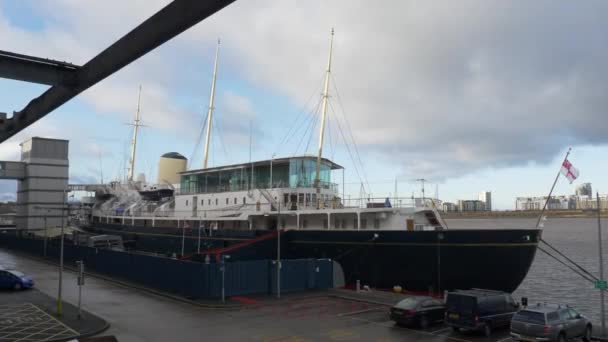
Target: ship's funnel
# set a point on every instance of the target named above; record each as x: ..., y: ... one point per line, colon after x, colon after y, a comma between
x: 169, y: 167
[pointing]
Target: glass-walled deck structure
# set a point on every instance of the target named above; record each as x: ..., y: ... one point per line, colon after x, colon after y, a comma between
x: 297, y: 172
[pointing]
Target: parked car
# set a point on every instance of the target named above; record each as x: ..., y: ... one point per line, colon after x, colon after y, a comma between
x: 419, y: 310
x: 550, y: 322
x: 15, y: 280
x: 479, y: 310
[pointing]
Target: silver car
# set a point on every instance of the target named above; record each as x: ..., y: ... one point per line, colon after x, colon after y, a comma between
x: 550, y: 322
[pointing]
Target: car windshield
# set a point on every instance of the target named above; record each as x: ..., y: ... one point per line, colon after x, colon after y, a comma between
x: 408, y: 303
x: 17, y: 273
x: 460, y: 303
x: 530, y: 317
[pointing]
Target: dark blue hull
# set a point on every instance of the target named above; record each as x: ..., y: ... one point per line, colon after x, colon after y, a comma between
x: 416, y: 260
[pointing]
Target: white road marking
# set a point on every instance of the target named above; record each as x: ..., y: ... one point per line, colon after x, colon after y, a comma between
x: 504, y: 339
x: 441, y: 330
x: 412, y: 330
x: 361, y: 311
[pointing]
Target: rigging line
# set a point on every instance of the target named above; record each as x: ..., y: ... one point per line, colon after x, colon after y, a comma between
x: 313, y: 116
x: 220, y: 133
x: 198, y: 141
x: 300, y: 114
x: 311, y: 119
x: 312, y: 131
x: 570, y: 260
x: 563, y: 263
x: 356, y: 167
x: 331, y: 144
x: 348, y: 126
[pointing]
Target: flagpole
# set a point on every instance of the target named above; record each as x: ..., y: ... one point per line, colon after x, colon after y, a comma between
x: 552, y: 187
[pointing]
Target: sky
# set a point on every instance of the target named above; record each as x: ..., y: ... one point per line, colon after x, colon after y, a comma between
x: 473, y: 96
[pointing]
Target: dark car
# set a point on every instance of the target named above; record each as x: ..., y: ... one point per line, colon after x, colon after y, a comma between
x: 14, y: 280
x: 419, y: 310
x: 549, y: 322
x: 479, y: 310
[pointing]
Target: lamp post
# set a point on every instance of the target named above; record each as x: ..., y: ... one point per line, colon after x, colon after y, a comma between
x: 279, y: 250
x: 198, y: 247
x: 223, y: 269
x: 440, y: 237
x: 46, y: 236
x: 271, y: 159
x: 59, y: 302
x: 601, y: 257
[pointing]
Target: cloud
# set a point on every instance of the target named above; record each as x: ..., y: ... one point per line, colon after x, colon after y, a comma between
x: 445, y: 88
x: 429, y: 88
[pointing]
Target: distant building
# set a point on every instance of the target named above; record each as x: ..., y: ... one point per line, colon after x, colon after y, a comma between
x: 486, y: 198
x: 537, y: 203
x: 471, y: 205
x: 590, y: 202
x: 449, y: 207
x: 584, y: 190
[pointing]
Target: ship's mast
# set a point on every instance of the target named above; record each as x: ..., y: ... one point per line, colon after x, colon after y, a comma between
x: 134, y: 140
x: 324, y: 113
x: 210, y: 112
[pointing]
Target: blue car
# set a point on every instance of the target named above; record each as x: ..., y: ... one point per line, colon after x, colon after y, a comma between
x: 15, y: 280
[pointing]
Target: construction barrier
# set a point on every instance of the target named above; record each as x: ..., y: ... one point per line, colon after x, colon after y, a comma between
x: 187, y: 278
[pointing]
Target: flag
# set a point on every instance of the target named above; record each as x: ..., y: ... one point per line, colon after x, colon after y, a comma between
x: 569, y: 171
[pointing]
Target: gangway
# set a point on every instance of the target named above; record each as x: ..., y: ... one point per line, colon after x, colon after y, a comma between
x: 217, y: 252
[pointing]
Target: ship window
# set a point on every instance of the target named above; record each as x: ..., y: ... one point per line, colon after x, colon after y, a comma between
x: 209, y: 203
x: 235, y: 200
x: 243, y: 200
x: 337, y: 223
x: 301, y: 198
x: 307, y: 200
x: 376, y: 223
x: 363, y: 223
x: 227, y: 200
x: 186, y: 203
x: 304, y: 223
x: 324, y: 223
x: 217, y: 201
x: 355, y: 223
x: 343, y: 223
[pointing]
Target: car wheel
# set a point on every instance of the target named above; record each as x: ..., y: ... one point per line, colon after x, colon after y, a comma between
x: 487, y: 330
x: 587, y: 336
x: 17, y: 286
x: 424, y: 322
x: 562, y: 338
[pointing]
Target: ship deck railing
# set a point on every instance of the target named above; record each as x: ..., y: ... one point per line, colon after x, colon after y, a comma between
x: 262, y: 208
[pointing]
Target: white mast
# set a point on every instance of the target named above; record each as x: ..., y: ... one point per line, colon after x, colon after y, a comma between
x: 210, y: 112
x: 324, y: 112
x: 134, y: 140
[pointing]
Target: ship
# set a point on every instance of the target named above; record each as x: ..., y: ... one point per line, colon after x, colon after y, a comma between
x: 295, y: 206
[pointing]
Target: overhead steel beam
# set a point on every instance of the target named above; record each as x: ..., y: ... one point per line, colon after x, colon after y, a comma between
x: 36, y: 70
x: 170, y: 21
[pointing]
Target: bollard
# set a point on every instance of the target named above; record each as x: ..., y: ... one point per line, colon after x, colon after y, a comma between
x: 358, y: 288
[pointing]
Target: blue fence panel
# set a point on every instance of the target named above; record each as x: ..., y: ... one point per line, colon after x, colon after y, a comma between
x: 190, y: 279
x: 247, y: 277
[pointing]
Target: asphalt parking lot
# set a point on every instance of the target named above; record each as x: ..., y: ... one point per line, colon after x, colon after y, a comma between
x: 28, y: 323
x: 137, y: 315
x: 337, y: 319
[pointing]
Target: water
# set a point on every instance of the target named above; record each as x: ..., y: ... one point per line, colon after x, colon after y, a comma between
x: 547, y: 279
